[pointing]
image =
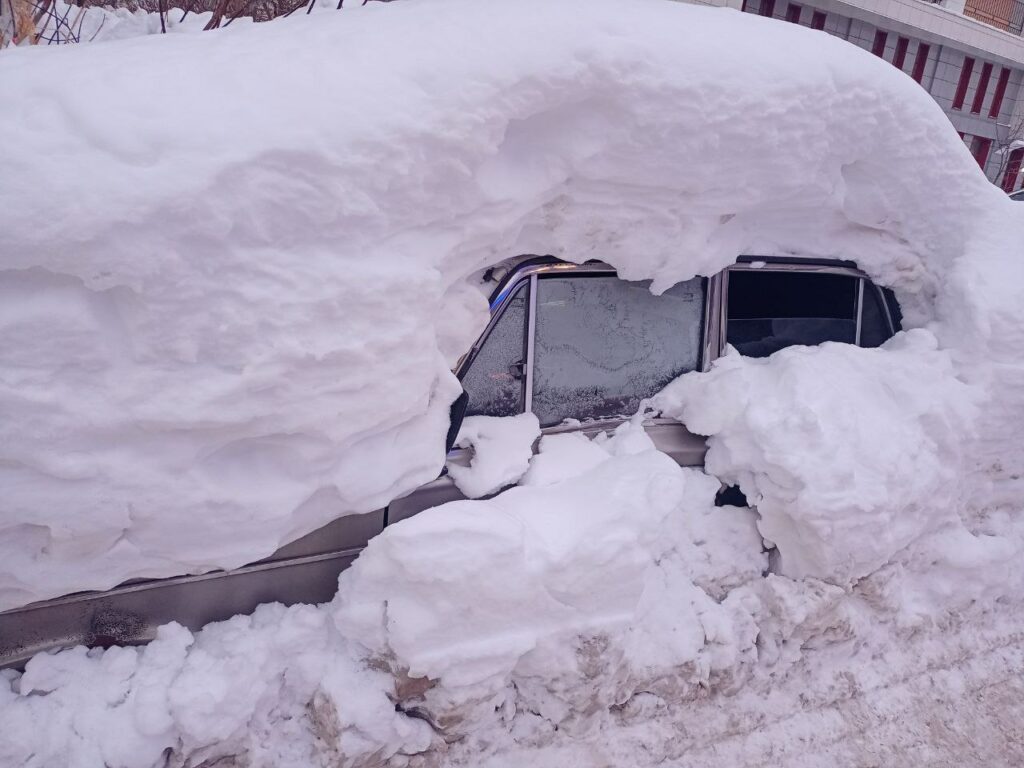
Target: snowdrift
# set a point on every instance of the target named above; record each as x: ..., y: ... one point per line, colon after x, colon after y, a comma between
x: 222, y: 299
x: 224, y: 296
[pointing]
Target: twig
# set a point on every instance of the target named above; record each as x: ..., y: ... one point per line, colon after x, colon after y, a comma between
x: 102, y: 22
x: 242, y: 9
x: 218, y: 14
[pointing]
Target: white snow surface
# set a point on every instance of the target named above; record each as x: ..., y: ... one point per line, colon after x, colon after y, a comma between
x: 219, y: 318
x: 500, y: 448
x: 839, y: 495
x: 223, y: 300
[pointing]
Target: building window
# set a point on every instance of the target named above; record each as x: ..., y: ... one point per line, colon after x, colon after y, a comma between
x: 767, y: 8
x: 793, y: 13
x: 920, y: 61
x: 1012, y: 170
x: 979, y: 94
x: 818, y: 20
x: 878, y: 48
x: 997, y: 99
x: 980, y: 148
x: 901, y: 52
x: 965, y: 80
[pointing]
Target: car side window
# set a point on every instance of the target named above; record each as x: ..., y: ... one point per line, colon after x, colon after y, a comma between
x: 603, y: 344
x: 770, y: 310
x: 494, y: 377
x: 874, y: 324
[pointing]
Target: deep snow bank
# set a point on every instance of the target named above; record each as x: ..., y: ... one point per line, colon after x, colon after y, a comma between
x: 223, y: 297
x: 848, y: 454
x: 609, y: 589
x: 563, y: 598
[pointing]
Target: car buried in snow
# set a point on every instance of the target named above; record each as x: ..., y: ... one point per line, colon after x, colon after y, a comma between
x: 573, y: 344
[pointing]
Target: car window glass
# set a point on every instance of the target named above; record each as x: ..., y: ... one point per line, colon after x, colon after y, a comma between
x: 768, y: 311
x: 895, y: 311
x: 874, y: 327
x: 603, y: 344
x: 494, y: 379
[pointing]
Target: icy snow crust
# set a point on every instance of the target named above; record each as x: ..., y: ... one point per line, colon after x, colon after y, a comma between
x: 247, y: 293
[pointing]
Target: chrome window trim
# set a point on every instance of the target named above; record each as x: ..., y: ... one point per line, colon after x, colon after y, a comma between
x: 531, y: 328
x: 711, y: 331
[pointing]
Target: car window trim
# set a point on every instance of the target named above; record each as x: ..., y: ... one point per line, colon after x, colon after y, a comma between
x: 498, y: 309
x: 529, y: 273
x: 754, y: 264
x: 859, y: 309
x: 531, y: 332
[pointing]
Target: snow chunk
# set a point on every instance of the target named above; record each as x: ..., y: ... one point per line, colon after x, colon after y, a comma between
x: 502, y: 448
x: 849, y: 454
x: 566, y: 596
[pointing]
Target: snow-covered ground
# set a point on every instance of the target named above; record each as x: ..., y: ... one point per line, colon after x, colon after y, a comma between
x: 223, y: 300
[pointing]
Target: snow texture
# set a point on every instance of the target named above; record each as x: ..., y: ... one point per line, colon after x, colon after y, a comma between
x: 230, y: 314
x: 224, y: 300
x: 501, y: 452
x: 838, y: 496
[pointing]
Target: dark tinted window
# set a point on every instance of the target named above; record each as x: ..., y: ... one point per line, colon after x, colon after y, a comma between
x: 768, y: 311
x: 494, y: 380
x: 895, y: 313
x: 603, y: 344
x: 874, y: 326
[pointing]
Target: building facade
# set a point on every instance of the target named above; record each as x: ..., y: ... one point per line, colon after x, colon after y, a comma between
x: 968, y: 54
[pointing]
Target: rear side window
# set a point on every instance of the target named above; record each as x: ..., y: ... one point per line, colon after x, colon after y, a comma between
x: 768, y: 311
x: 494, y: 379
x: 603, y: 344
x: 874, y: 329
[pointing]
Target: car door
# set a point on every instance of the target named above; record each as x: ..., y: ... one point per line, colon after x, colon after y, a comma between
x: 580, y: 348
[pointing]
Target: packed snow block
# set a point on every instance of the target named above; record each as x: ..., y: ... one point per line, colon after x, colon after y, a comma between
x: 563, y: 598
x: 227, y: 301
x: 501, y: 451
x: 844, y: 452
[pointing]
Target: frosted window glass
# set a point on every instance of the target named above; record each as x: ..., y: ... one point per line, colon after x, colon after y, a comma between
x: 603, y: 344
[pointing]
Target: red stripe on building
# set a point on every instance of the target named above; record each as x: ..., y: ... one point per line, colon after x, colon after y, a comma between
x: 997, y: 99
x: 979, y: 95
x: 981, y: 150
x: 965, y: 80
x: 878, y: 47
x: 920, y: 61
x: 901, y: 52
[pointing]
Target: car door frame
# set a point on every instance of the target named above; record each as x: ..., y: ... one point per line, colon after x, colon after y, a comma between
x: 801, y: 266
